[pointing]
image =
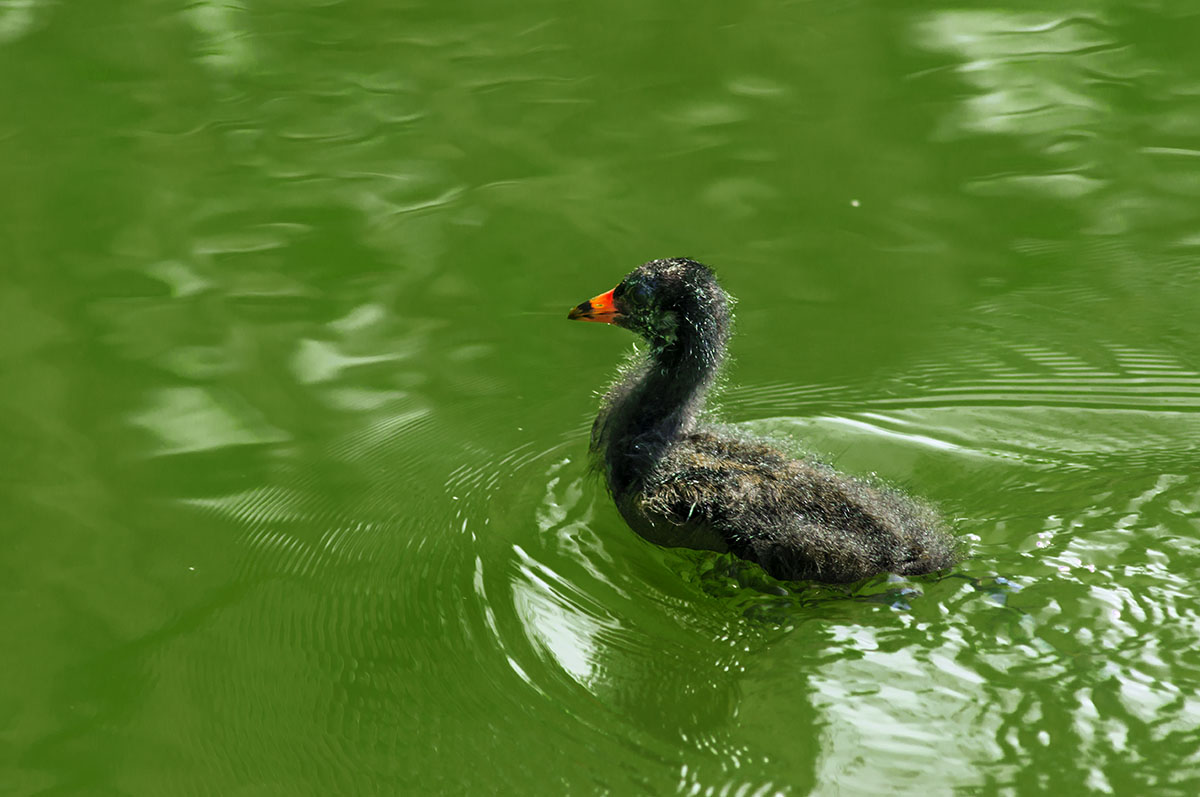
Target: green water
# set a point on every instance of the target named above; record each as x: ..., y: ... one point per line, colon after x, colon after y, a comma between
x: 295, y: 497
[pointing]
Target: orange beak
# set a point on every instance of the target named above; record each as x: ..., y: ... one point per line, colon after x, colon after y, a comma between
x: 599, y: 308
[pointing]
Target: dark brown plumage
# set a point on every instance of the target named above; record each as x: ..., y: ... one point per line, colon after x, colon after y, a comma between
x: 678, y: 483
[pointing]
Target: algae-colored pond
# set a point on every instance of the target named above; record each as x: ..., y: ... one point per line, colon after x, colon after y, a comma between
x: 296, y: 497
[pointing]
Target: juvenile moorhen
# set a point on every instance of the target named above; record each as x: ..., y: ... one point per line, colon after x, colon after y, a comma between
x: 680, y: 483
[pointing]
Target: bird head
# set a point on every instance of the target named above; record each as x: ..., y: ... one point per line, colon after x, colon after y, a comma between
x: 665, y: 301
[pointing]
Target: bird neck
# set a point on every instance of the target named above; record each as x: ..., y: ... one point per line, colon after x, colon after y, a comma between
x: 654, y: 404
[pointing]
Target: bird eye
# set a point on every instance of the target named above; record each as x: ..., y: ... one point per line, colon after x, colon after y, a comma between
x: 633, y: 294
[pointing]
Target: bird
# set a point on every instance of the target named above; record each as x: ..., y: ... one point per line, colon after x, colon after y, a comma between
x: 679, y: 480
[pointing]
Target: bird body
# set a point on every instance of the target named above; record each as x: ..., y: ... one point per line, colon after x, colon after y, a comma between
x: 680, y: 483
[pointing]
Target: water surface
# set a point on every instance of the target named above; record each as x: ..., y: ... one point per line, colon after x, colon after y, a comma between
x: 296, y: 497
